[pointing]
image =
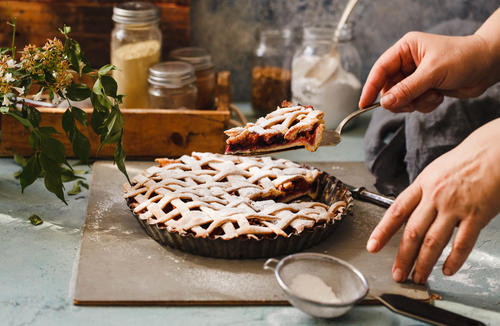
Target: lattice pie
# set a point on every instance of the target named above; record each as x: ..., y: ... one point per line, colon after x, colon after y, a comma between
x: 224, y: 197
x: 286, y: 127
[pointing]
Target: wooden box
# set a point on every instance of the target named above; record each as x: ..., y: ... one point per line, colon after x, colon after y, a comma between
x: 147, y: 132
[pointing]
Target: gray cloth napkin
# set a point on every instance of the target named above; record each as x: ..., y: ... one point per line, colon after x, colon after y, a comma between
x: 399, y: 146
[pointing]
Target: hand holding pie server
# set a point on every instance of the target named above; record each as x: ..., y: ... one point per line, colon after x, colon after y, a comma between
x: 460, y: 188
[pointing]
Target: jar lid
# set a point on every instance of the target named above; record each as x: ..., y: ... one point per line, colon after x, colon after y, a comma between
x: 171, y: 74
x: 325, y: 33
x: 198, y: 57
x: 135, y: 13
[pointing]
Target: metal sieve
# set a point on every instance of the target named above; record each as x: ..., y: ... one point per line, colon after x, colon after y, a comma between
x: 349, y: 287
x: 348, y: 284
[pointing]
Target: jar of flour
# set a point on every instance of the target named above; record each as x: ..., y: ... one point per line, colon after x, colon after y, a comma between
x: 337, y: 95
x: 135, y: 46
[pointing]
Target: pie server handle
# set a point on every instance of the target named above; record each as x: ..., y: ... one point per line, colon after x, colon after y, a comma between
x: 424, y: 311
x: 361, y: 193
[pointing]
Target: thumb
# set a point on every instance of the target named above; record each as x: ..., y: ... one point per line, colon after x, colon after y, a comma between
x: 407, y: 90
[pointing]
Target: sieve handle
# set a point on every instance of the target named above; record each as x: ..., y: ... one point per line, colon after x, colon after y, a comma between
x: 271, y: 264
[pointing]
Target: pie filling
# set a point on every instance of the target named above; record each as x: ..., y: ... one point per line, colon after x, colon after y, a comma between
x: 256, y: 142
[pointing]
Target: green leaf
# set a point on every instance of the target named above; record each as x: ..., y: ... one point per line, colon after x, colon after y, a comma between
x: 68, y: 175
x: 78, y: 92
x: 75, y: 190
x: 31, y: 171
x: 48, y: 130
x: 68, y: 122
x: 52, y: 180
x: 34, y: 116
x: 4, y: 109
x: 120, y: 159
x: 25, y: 122
x: 97, y: 121
x: 35, y: 220
x: 97, y: 88
x: 20, y: 160
x: 65, y: 30
x: 80, y: 115
x: 114, y: 127
x: 110, y: 86
x: 81, y: 145
x: 53, y: 149
x: 17, y: 174
x: 104, y: 70
x: 83, y: 184
x: 34, y: 141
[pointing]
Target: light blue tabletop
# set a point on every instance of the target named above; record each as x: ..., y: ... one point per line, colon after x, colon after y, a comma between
x: 38, y: 265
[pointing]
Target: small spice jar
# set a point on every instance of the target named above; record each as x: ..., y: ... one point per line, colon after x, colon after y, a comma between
x: 172, y: 86
x: 204, y: 71
x: 135, y: 46
x: 271, y: 70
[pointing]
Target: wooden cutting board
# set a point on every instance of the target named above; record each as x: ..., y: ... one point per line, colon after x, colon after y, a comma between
x: 121, y: 265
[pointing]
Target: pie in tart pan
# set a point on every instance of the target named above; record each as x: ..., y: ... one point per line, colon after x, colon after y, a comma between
x: 237, y: 207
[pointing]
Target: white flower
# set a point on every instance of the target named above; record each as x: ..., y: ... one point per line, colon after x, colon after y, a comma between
x: 57, y: 99
x: 8, y: 78
x: 20, y: 90
x: 11, y: 63
x: 38, y: 96
x: 6, y: 101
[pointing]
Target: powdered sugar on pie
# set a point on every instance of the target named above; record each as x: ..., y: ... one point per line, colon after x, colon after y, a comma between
x: 288, y: 126
x: 225, y: 196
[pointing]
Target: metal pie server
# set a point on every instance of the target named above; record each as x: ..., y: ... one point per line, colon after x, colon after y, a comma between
x: 360, y: 193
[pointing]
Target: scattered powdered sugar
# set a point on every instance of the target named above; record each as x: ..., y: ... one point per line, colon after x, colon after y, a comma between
x: 313, y: 288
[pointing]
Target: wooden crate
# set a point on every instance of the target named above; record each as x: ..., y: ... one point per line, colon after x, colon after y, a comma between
x: 147, y: 132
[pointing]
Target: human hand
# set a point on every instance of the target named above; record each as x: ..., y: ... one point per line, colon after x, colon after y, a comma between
x: 460, y: 188
x: 415, y: 73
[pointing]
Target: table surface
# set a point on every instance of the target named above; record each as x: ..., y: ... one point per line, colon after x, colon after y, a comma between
x: 38, y: 266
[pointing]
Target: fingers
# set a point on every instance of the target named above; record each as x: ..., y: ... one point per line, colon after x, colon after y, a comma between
x: 394, y: 217
x: 435, y: 240
x: 413, y: 236
x: 463, y: 243
x: 385, y: 67
x: 409, y: 89
x: 425, y: 103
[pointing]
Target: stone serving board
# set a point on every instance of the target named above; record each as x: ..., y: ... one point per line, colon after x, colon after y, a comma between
x: 121, y: 265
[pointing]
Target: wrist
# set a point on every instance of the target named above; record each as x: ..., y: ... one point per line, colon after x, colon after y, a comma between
x: 487, y: 36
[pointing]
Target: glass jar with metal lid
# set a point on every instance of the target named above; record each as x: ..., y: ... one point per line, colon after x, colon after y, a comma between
x: 205, y: 74
x: 135, y: 46
x: 172, y: 86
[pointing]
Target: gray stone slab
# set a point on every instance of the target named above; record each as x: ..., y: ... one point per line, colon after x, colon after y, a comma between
x: 121, y: 265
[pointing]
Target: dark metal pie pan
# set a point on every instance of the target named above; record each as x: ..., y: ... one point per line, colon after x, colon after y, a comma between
x: 328, y: 189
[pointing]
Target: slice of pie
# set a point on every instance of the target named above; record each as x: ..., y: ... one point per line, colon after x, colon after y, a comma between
x: 204, y: 202
x: 287, y: 127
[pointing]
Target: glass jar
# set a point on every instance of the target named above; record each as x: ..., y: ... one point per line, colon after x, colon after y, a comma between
x: 338, y: 95
x: 204, y: 71
x: 135, y: 46
x: 271, y: 70
x: 172, y: 86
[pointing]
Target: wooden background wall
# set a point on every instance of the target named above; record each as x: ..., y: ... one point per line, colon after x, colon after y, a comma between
x: 90, y: 21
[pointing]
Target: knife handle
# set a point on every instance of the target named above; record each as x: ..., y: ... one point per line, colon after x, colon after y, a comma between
x: 362, y: 194
x: 425, y: 312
